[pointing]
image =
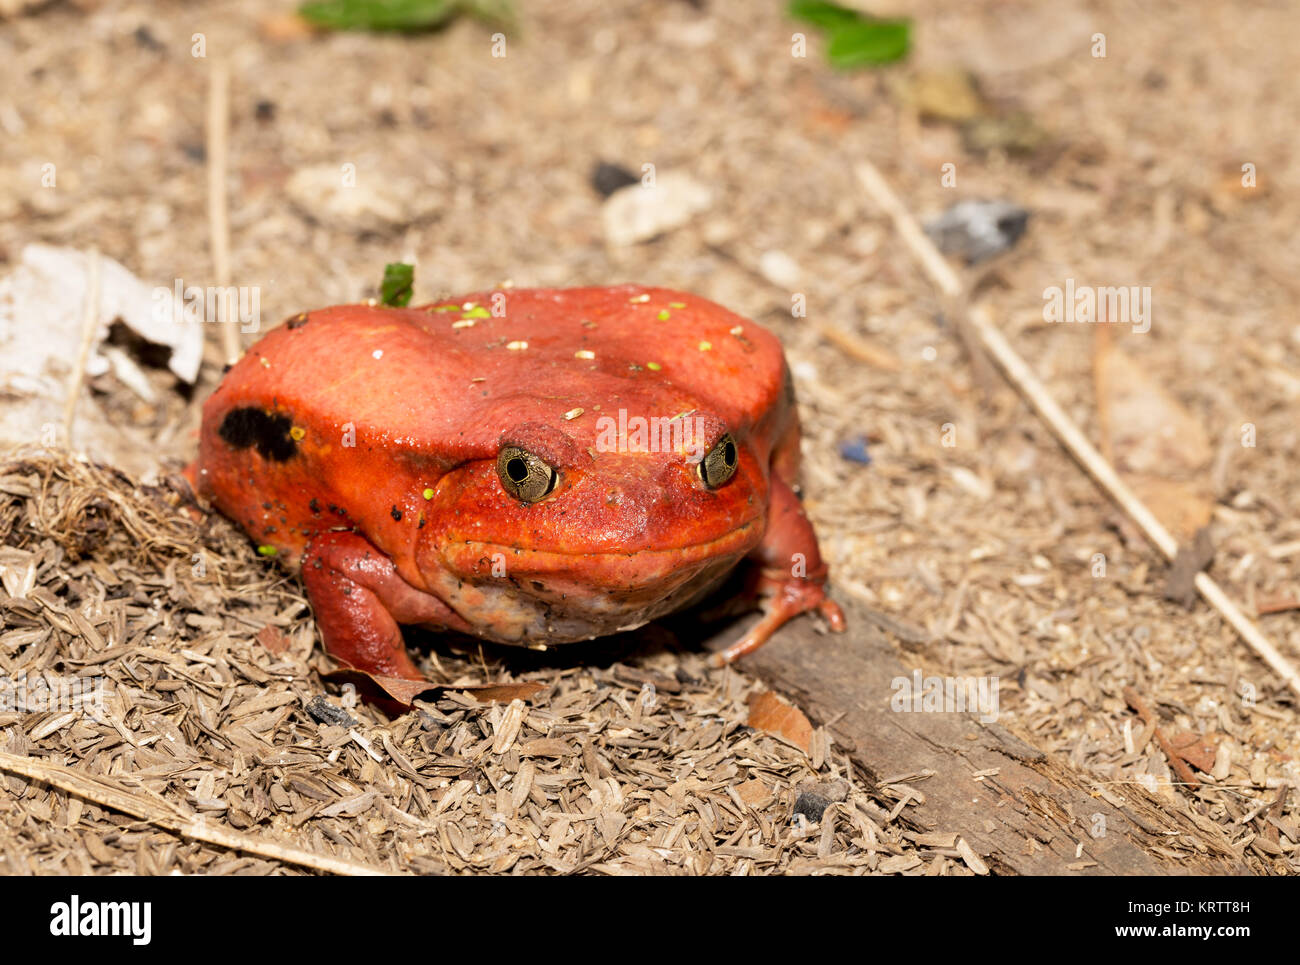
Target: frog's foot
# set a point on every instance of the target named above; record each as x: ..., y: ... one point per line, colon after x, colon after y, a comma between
x: 792, y: 578
x: 783, y: 598
x: 359, y: 598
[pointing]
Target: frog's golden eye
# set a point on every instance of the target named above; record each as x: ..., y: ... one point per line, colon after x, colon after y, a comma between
x: 719, y: 464
x: 524, y: 475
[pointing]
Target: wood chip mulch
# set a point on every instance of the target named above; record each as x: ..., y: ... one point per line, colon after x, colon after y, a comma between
x: 217, y: 748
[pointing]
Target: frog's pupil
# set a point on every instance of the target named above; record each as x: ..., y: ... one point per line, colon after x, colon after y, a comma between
x: 517, y: 469
x: 729, y: 453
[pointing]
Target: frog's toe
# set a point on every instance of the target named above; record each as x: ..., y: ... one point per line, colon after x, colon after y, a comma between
x: 788, y: 599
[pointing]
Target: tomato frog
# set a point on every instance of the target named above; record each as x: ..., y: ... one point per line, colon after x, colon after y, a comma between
x: 528, y: 466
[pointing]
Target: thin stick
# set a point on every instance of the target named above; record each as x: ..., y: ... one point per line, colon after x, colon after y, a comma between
x: 860, y: 348
x: 89, y: 323
x: 218, y: 208
x: 1024, y: 381
x: 163, y: 814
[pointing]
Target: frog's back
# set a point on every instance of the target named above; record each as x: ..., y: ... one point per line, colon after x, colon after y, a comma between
x: 338, y: 416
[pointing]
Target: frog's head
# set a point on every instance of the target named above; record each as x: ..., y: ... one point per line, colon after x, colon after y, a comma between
x: 577, y: 530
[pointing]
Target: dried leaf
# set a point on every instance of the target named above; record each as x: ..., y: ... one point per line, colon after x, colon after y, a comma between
x: 1194, y: 749
x: 486, y: 693
x: 273, y: 639
x: 404, y: 691
x: 371, y: 685
x: 1155, y: 444
x: 768, y: 712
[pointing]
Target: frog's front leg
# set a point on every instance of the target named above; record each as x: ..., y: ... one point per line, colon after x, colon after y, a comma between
x: 791, y: 575
x: 359, y: 599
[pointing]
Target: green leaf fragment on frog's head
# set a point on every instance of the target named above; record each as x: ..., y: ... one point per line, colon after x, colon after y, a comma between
x: 427, y: 494
x: 445, y: 308
x: 478, y: 311
x: 398, y: 285
x: 676, y: 304
x: 266, y: 551
x: 664, y: 315
x: 653, y: 366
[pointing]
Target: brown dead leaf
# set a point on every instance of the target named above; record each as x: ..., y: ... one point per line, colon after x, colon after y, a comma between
x: 768, y: 712
x: 273, y: 639
x: 1155, y: 444
x: 1194, y: 749
x: 755, y: 793
x: 486, y: 693
x: 377, y: 686
x: 404, y: 691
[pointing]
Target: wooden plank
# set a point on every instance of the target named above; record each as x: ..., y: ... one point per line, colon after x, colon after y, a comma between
x: 1028, y: 818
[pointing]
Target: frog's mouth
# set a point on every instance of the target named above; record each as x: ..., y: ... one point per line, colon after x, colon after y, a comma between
x: 537, y: 597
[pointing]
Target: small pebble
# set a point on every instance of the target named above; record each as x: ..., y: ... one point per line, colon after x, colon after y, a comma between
x: 855, y: 450
x: 978, y: 230
x: 607, y: 178
x: 811, y: 805
x: 323, y: 712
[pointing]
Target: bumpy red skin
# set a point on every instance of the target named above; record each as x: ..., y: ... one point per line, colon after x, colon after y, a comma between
x: 360, y: 442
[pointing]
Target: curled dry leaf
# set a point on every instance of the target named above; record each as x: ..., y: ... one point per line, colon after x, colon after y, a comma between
x: 404, y: 691
x: 768, y: 712
x: 1194, y: 749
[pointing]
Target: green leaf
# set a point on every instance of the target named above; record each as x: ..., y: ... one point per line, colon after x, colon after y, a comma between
x: 822, y: 13
x: 405, y: 15
x: 855, y: 39
x: 399, y: 284
x: 869, y: 42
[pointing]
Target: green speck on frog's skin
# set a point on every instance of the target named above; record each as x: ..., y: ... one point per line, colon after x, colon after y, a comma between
x: 706, y: 346
x: 664, y: 315
x: 477, y: 311
x: 653, y: 366
x: 266, y: 550
x: 427, y: 494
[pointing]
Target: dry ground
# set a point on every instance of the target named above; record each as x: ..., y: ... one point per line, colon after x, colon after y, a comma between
x: 986, y: 545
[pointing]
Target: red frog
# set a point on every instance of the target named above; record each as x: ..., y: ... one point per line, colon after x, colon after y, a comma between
x: 531, y: 467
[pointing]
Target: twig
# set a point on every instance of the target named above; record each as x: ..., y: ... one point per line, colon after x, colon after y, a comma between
x: 1149, y: 718
x: 218, y: 208
x: 163, y: 814
x: 859, y: 348
x: 89, y: 323
x: 1019, y: 374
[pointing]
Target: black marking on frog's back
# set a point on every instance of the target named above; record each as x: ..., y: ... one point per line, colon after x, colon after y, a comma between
x: 269, y: 432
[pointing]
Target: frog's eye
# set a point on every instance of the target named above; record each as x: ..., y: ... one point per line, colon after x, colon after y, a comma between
x: 719, y: 464
x: 524, y: 475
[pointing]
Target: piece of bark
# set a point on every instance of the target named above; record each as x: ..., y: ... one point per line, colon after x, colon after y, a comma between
x: 1180, y: 584
x: 1026, y: 818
